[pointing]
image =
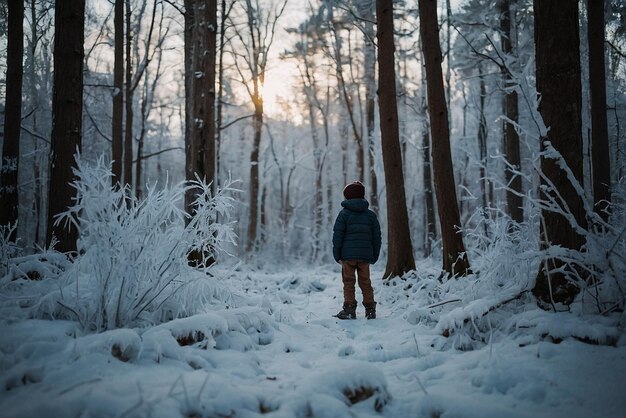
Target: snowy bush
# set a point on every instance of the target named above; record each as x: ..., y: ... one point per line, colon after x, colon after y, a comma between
x: 496, y: 300
x: 8, y: 248
x: 132, y: 266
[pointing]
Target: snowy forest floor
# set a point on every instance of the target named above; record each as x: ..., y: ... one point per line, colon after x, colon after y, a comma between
x: 282, y: 354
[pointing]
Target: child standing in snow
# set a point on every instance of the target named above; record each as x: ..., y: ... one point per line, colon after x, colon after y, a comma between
x: 356, y: 245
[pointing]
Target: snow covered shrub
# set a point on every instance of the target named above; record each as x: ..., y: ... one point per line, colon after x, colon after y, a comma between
x: 8, y: 248
x: 497, y: 300
x: 132, y: 266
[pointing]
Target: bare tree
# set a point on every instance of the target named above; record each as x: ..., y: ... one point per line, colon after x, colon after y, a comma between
x: 38, y: 102
x: 511, y: 138
x: 455, y: 259
x: 558, y: 82
x: 400, y: 250
x: 430, y: 226
x: 224, y: 13
x: 128, y: 96
x: 67, y: 108
x: 305, y: 51
x: 12, y: 117
x: 601, y: 161
x: 482, y: 146
x: 117, y: 128
x: 344, y: 89
x: 133, y: 79
x: 255, y: 36
x: 151, y: 80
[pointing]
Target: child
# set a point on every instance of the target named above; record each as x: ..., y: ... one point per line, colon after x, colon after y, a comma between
x: 356, y: 245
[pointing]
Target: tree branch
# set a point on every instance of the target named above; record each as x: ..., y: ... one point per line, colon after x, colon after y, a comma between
x: 229, y: 124
x: 154, y: 154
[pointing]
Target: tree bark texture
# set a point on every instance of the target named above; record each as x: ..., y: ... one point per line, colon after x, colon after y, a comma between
x: 455, y: 259
x: 257, y: 121
x: 12, y: 117
x: 128, y: 133
x: 400, y: 249
x: 430, y: 222
x: 559, y: 85
x: 482, y: 149
x: 514, y: 200
x: 117, y: 129
x: 188, y: 56
x: 203, y: 91
x: 258, y: 52
x: 67, y: 113
x: 601, y: 162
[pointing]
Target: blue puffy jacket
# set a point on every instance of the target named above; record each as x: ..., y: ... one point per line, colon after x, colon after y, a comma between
x: 356, y: 234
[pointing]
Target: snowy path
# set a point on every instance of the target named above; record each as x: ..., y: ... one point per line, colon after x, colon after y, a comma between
x: 298, y: 361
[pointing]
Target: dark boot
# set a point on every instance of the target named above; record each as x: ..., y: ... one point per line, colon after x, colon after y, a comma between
x: 348, y: 311
x: 370, y: 310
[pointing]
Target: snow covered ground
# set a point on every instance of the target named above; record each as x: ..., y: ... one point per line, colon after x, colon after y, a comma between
x: 276, y: 351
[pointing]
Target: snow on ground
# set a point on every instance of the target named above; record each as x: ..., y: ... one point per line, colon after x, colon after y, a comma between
x: 284, y: 355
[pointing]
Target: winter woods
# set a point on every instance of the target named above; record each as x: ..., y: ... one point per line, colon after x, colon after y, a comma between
x: 458, y: 118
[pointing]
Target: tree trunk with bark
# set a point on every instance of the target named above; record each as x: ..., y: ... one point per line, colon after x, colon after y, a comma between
x: 12, y: 117
x: 514, y: 200
x: 455, y: 259
x: 482, y: 148
x: 117, y: 128
x: 188, y: 56
x: 430, y: 225
x: 400, y: 249
x: 260, y: 27
x: 559, y: 85
x: 257, y: 123
x: 128, y: 133
x: 601, y: 162
x: 67, y: 113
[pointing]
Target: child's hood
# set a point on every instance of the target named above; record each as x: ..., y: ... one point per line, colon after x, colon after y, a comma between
x: 356, y: 205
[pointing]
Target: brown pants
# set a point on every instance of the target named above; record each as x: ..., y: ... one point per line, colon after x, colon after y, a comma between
x: 349, y: 268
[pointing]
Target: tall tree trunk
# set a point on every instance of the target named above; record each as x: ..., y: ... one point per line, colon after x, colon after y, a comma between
x: 117, y: 129
x: 220, y: 92
x: 455, y: 259
x: 209, y: 57
x: 254, y: 170
x: 558, y: 83
x: 67, y: 113
x: 482, y: 147
x: 400, y: 249
x: 260, y: 27
x: 12, y: 117
x: 430, y: 226
x: 35, y: 103
x: 511, y: 138
x: 128, y: 133
x: 189, y: 58
x: 601, y: 162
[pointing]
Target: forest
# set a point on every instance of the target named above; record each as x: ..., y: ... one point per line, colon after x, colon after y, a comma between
x: 172, y: 171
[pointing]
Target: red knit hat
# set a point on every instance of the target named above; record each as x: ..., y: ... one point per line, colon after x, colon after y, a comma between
x: 354, y: 190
